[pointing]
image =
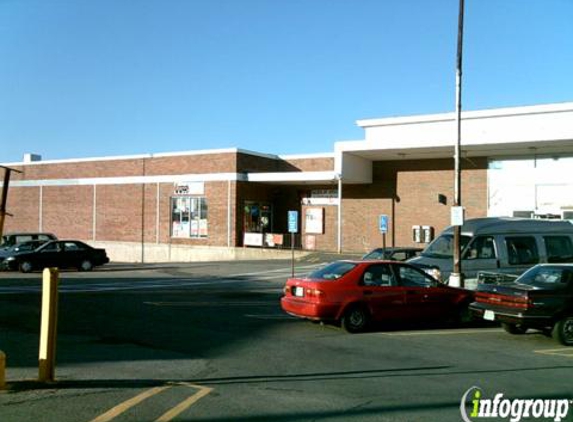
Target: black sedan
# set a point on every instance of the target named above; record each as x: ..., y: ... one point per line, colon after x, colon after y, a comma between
x: 541, y: 298
x: 57, y: 253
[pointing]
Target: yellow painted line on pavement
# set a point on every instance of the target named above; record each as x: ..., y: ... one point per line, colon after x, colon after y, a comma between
x: 444, y: 332
x: 564, y: 351
x: 115, y: 411
x: 171, y: 414
x: 185, y: 404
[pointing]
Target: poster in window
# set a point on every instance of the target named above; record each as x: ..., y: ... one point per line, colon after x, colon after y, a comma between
x: 314, y: 220
x: 194, y: 228
x: 203, y: 228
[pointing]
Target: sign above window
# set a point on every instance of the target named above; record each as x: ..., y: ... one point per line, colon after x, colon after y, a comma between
x: 189, y: 188
x: 321, y: 197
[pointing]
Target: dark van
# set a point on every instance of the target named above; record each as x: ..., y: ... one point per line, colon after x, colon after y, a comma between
x: 502, y: 245
x: 11, y: 239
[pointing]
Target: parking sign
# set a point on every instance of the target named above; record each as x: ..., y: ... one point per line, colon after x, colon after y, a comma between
x: 293, y: 221
x: 383, y: 223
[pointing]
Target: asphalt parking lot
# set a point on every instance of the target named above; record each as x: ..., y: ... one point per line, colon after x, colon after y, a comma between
x: 209, y: 342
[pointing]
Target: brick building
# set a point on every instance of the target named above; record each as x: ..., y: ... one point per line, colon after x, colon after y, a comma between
x: 210, y: 204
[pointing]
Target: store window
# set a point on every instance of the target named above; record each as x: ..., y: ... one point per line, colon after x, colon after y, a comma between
x: 258, y: 217
x: 189, y: 217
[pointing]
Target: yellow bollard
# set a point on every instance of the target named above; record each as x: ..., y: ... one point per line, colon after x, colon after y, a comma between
x: 2, y: 370
x: 48, y: 333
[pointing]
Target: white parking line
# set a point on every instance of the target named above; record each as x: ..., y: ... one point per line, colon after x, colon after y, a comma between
x: 452, y: 332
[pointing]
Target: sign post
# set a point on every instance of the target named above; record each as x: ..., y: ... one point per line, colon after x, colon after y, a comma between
x: 293, y: 229
x: 383, y: 227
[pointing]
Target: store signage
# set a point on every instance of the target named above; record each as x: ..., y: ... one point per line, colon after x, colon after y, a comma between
x: 189, y: 188
x: 457, y: 216
x: 253, y: 239
x: 314, y: 220
x: 321, y: 197
x: 273, y: 240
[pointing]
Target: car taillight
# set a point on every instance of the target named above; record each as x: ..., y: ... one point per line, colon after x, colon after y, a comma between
x: 519, y: 302
x: 314, y: 293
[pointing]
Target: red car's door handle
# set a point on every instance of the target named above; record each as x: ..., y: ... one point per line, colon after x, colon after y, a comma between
x: 367, y: 292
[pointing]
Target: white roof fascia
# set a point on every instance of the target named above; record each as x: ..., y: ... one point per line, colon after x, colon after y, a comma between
x: 467, y: 115
x: 307, y: 156
x: 305, y: 176
x: 131, y: 180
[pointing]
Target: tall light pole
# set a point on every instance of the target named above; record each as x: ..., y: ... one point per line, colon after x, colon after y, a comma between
x: 457, y: 267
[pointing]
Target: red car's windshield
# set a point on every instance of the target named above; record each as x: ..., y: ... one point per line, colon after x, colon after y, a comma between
x: 333, y: 271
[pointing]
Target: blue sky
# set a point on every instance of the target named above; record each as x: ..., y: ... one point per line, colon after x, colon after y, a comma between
x: 83, y: 78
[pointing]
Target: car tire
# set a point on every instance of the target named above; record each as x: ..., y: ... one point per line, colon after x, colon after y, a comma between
x: 26, y: 266
x: 515, y: 329
x: 86, y: 265
x: 355, y: 319
x: 563, y: 331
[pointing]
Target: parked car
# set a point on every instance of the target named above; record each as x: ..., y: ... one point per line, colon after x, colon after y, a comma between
x: 19, y: 248
x: 57, y: 253
x: 507, y: 245
x: 356, y: 293
x: 11, y: 239
x: 540, y: 298
x: 393, y: 254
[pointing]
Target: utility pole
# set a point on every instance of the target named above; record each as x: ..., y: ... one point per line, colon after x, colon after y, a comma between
x: 457, y: 277
x: 4, y: 197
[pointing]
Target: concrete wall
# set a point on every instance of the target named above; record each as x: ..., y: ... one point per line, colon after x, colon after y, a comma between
x: 153, y: 252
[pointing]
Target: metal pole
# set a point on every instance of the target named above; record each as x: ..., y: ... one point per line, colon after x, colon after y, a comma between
x: 4, y: 199
x: 457, y: 267
x: 292, y: 252
x: 339, y: 212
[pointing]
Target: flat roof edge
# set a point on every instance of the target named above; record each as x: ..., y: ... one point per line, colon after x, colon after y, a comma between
x: 467, y: 115
x: 142, y: 156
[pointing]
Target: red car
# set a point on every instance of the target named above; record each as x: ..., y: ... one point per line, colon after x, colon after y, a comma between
x: 356, y: 293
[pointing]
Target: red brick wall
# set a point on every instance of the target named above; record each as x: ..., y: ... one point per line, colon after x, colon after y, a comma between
x: 312, y: 164
x: 179, y: 164
x: 24, y: 205
x: 192, y: 164
x: 79, y: 169
x: 407, y: 191
x: 67, y: 211
x: 119, y: 213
